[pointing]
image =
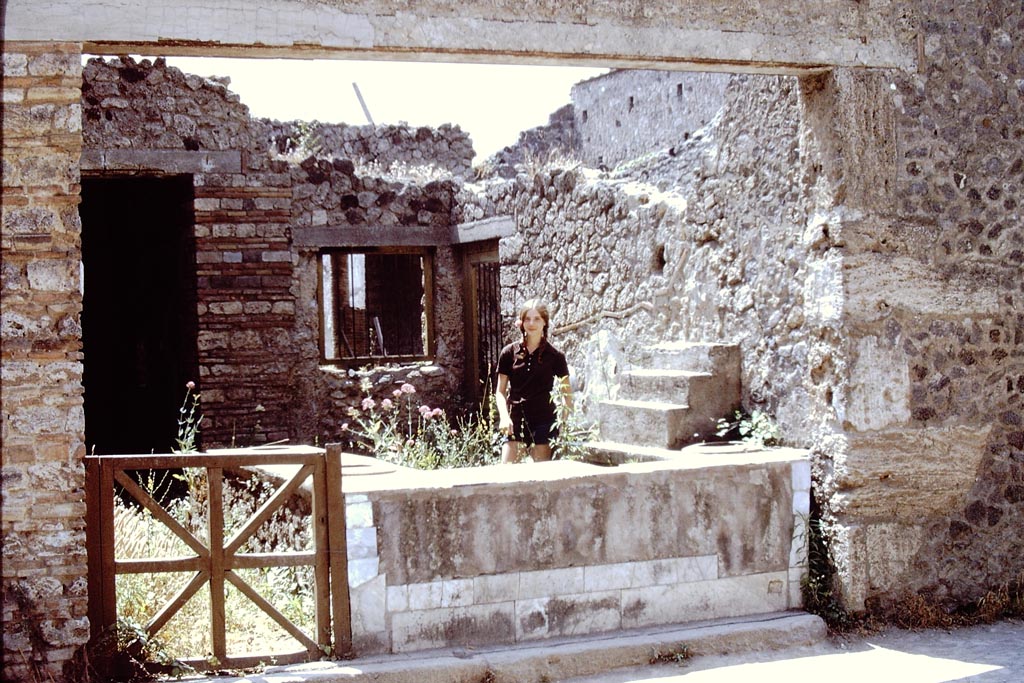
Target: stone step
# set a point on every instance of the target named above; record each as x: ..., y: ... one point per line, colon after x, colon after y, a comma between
x: 652, y: 423
x: 615, y: 453
x: 717, y: 359
x: 557, y: 659
x: 669, y: 386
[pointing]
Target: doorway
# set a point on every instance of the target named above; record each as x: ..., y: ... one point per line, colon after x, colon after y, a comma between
x: 139, y: 319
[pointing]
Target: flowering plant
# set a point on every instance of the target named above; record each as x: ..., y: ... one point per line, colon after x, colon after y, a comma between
x: 401, y: 430
x: 188, y: 423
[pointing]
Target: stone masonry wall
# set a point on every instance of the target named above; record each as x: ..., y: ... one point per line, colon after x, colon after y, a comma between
x: 926, y: 490
x: 43, y: 518
x: 885, y: 333
x: 260, y: 377
x: 623, y: 263
x: 625, y: 114
x: 148, y: 116
x: 335, y: 206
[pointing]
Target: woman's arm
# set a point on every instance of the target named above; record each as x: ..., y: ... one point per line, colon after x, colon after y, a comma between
x: 501, y: 401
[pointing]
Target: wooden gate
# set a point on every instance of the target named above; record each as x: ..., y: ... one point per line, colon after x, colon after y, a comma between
x: 215, y: 561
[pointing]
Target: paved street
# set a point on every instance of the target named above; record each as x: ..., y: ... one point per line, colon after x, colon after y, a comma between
x: 981, y: 654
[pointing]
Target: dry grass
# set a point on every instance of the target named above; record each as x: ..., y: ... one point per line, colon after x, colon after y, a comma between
x: 187, y: 635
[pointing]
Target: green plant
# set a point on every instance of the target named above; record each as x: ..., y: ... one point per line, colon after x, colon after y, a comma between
x: 817, y: 586
x: 573, y: 433
x: 756, y: 428
x: 138, y: 653
x: 677, y: 654
x: 188, y: 423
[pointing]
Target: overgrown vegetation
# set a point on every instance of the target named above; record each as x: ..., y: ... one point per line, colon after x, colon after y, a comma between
x: 400, y: 429
x: 137, y: 535
x: 818, y: 586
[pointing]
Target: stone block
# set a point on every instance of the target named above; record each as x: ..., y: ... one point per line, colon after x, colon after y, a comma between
x: 358, y: 511
x: 449, y: 626
x: 362, y: 542
x: 457, y: 593
x: 369, y: 607
x: 550, y: 582
x: 425, y: 596
x: 879, y: 388
x: 568, y: 615
x: 721, y: 598
x: 362, y: 570
x: 908, y: 475
x: 698, y: 568
x: 496, y: 588
x: 607, y: 577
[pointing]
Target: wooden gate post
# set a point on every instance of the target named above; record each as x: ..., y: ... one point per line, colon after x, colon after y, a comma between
x: 338, y: 553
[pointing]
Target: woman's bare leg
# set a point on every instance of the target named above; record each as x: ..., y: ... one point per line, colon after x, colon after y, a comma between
x: 511, y: 452
x: 540, y: 452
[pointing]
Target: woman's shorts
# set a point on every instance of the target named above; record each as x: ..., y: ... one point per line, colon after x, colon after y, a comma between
x: 532, y: 433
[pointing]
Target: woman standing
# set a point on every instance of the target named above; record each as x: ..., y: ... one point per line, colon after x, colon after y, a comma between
x: 527, y: 372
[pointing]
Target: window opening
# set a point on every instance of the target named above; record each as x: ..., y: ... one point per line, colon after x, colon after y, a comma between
x: 375, y: 304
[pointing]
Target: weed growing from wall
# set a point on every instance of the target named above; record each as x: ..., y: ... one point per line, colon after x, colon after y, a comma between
x: 756, y: 428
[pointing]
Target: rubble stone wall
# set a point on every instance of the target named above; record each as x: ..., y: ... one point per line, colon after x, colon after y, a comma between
x: 45, y: 606
x: 447, y: 147
x: 255, y: 302
x: 622, y: 261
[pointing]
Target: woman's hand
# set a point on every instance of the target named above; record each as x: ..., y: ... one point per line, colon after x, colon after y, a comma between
x: 505, y: 426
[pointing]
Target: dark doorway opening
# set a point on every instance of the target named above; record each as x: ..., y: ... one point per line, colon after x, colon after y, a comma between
x: 139, y: 320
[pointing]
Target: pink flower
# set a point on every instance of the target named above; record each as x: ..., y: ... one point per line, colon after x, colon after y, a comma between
x: 436, y: 412
x: 344, y: 426
x: 425, y: 411
x: 386, y: 404
x: 190, y: 385
x: 397, y: 393
x: 408, y: 389
x: 369, y: 403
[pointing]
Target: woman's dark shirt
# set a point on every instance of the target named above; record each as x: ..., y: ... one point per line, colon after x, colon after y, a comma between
x: 531, y: 377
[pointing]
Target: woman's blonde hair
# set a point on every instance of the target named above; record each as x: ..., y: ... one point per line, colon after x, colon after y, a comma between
x: 540, y: 307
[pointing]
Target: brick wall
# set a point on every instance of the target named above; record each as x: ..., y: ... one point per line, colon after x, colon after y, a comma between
x: 43, y: 526
x: 246, y: 306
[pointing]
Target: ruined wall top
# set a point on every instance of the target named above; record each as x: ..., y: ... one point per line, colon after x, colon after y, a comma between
x: 149, y: 105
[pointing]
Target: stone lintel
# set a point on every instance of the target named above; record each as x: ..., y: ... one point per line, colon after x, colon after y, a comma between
x: 366, y: 236
x: 779, y: 39
x: 165, y: 161
x: 483, y: 229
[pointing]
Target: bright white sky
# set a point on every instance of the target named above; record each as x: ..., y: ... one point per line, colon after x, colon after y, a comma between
x: 493, y: 103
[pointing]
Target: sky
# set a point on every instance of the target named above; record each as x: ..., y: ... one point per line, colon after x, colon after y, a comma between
x: 493, y: 103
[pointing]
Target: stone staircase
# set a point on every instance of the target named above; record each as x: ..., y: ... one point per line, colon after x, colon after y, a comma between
x: 676, y: 399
